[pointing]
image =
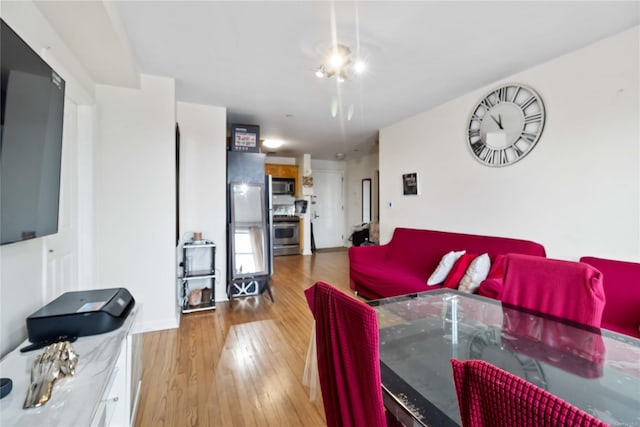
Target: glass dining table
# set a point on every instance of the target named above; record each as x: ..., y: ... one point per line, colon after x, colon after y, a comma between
x: 595, y: 370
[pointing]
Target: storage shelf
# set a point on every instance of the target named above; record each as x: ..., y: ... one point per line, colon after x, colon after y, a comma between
x: 203, y: 274
x: 199, y: 245
x: 200, y: 307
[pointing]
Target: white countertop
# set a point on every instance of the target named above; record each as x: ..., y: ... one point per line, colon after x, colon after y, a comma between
x: 74, y: 400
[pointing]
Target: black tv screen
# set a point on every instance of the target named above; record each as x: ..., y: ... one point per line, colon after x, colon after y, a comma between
x: 30, y: 141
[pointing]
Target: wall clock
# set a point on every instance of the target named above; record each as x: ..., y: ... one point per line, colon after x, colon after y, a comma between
x: 505, y: 125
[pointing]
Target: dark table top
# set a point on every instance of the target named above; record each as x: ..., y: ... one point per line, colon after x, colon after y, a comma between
x: 596, y: 370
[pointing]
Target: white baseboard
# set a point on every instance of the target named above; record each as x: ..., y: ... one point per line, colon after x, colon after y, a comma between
x: 157, y: 325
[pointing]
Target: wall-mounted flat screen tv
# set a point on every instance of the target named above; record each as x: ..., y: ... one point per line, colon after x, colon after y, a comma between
x: 31, y: 116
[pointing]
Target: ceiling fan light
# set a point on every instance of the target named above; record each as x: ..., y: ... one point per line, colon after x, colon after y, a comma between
x: 339, y: 64
x: 336, y: 60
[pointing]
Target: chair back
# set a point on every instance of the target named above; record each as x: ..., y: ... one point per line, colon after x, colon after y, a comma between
x: 564, y: 289
x: 489, y: 396
x: 347, y: 344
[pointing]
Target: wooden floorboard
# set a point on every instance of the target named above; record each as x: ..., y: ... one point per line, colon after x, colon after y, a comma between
x: 241, y: 364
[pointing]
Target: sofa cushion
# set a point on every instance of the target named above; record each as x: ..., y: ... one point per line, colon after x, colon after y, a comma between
x: 476, y: 273
x: 621, y: 283
x: 492, y: 286
x: 445, y: 266
x: 459, y: 269
x: 384, y: 281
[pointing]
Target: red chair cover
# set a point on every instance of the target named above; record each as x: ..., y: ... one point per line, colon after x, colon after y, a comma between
x: 489, y: 396
x: 348, y: 358
x: 565, y: 289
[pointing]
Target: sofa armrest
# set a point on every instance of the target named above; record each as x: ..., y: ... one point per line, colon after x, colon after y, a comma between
x: 367, y: 254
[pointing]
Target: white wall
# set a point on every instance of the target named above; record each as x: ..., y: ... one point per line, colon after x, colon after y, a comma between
x: 203, y: 131
x: 577, y: 192
x: 357, y: 170
x: 20, y: 291
x: 135, y: 196
x: 23, y: 264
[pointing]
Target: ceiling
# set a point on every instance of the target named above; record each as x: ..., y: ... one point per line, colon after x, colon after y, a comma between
x: 258, y: 59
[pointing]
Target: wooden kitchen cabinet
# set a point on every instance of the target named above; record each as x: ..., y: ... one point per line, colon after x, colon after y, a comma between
x: 281, y: 171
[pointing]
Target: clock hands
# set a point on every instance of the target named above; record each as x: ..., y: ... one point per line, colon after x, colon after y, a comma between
x: 499, y: 121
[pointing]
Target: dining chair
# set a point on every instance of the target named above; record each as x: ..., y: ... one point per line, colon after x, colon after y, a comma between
x: 348, y: 358
x: 489, y: 396
x: 564, y: 289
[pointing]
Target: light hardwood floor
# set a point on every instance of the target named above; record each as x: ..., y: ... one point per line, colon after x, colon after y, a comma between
x: 241, y: 364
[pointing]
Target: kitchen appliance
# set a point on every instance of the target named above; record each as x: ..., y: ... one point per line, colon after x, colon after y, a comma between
x: 80, y: 313
x: 301, y: 206
x: 286, y: 235
x: 268, y: 182
x: 248, y: 225
x: 284, y: 186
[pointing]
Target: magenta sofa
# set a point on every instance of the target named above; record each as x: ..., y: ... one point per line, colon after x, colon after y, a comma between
x: 403, y: 265
x: 621, y: 283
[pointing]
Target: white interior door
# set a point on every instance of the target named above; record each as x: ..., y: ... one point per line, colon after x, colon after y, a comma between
x: 61, y: 273
x: 327, y: 208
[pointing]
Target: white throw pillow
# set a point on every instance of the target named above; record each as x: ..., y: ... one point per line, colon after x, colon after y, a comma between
x: 443, y: 269
x: 476, y: 273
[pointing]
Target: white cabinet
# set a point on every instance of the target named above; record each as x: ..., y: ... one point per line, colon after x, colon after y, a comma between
x: 103, y: 392
x: 121, y: 397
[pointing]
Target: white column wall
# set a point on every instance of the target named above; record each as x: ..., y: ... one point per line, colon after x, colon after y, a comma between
x: 203, y: 169
x: 135, y: 196
x: 577, y: 192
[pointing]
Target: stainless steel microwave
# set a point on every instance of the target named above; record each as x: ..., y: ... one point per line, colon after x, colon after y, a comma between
x: 284, y: 186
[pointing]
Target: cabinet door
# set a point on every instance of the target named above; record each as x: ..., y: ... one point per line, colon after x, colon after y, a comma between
x: 272, y: 170
x: 290, y: 171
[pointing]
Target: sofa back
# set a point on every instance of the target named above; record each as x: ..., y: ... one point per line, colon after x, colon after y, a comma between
x: 621, y: 282
x: 421, y: 250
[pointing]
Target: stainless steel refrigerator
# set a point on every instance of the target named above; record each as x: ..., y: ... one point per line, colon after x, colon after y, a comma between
x: 249, y: 234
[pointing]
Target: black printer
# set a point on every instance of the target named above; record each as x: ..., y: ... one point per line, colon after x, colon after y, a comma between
x: 80, y: 313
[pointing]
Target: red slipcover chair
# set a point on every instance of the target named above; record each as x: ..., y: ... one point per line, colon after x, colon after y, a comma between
x: 564, y: 289
x: 489, y: 396
x: 347, y: 340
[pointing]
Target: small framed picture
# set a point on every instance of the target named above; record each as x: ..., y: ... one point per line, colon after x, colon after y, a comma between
x: 245, y: 138
x: 410, y: 184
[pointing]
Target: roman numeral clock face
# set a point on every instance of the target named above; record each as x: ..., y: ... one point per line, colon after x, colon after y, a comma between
x: 505, y: 125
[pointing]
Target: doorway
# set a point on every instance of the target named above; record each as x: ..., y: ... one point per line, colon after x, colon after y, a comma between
x: 327, y: 208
